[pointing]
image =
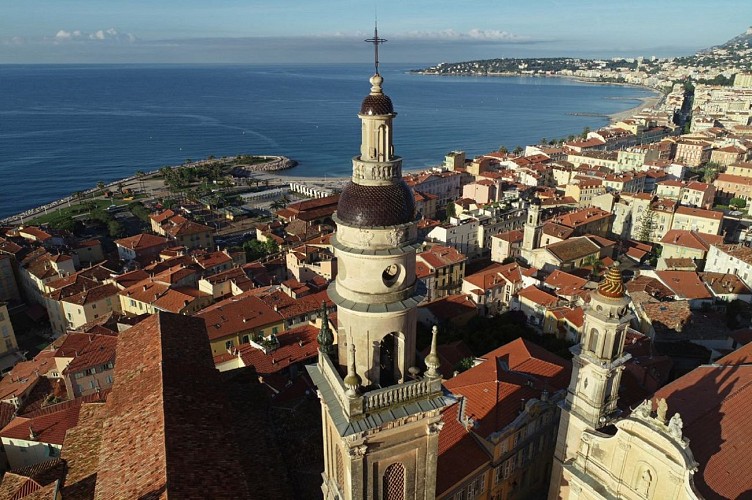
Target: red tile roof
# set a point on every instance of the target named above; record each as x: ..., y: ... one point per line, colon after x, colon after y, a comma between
x: 142, y: 242
x: 167, y: 403
x: 49, y: 427
x: 515, y: 371
x: 699, y: 212
x: 460, y: 454
x: 685, y: 284
x: 538, y: 296
x: 718, y: 429
x: 296, y: 346
x: 242, y: 313
x: 691, y: 239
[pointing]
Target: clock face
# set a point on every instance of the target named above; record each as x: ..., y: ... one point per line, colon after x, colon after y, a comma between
x: 390, y: 274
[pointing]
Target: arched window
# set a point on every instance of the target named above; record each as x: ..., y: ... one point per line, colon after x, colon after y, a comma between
x: 394, y: 482
x: 593, y: 340
x: 340, y: 470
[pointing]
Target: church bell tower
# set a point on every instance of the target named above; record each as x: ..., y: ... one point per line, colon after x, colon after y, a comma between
x: 380, y: 415
x: 597, y: 366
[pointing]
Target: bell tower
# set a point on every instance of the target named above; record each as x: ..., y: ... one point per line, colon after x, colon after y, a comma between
x: 531, y: 232
x: 597, y: 366
x: 381, y: 416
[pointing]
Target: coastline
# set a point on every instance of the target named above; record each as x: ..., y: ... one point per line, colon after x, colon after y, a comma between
x: 287, y: 173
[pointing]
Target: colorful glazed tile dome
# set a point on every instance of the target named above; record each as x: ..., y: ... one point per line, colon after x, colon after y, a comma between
x: 612, y: 285
x: 372, y: 206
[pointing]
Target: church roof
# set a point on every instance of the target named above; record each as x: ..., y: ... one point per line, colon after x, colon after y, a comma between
x: 718, y: 429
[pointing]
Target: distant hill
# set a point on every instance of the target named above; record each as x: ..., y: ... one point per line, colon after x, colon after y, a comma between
x: 736, y: 44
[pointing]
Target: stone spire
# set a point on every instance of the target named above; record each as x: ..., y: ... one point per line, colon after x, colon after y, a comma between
x: 432, y: 360
x: 352, y: 380
x: 325, y: 337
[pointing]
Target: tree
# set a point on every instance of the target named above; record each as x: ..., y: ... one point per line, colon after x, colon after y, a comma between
x: 503, y: 150
x: 100, y: 185
x: 543, y: 141
x: 596, y: 265
x: 647, y: 224
x: 451, y: 210
x: 585, y: 132
x: 518, y: 150
x: 738, y: 202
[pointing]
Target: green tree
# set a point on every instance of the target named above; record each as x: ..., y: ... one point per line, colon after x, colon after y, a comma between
x: 585, y: 132
x: 738, y: 202
x: 464, y: 364
x: 450, y: 210
x: 115, y: 229
x: 596, y: 265
x: 503, y: 150
x: 518, y: 150
x: 647, y: 224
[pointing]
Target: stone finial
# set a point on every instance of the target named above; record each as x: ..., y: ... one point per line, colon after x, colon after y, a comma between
x: 352, y: 380
x: 432, y: 360
x: 325, y: 337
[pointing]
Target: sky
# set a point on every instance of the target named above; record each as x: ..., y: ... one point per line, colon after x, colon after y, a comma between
x: 327, y: 31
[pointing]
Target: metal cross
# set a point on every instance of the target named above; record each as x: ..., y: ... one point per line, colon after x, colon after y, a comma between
x: 376, y: 41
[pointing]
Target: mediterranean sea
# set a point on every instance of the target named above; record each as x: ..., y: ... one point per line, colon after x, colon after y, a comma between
x: 63, y: 128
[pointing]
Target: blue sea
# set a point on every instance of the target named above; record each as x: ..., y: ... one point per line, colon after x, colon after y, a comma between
x: 63, y: 128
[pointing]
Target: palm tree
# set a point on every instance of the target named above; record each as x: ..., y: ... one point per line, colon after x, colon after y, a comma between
x: 140, y: 176
x: 596, y: 265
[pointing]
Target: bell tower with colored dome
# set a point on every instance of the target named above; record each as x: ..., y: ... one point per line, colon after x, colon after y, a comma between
x: 380, y: 412
x: 597, y: 366
x: 375, y: 246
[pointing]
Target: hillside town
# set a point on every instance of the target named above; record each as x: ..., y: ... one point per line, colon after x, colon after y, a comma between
x: 493, y: 327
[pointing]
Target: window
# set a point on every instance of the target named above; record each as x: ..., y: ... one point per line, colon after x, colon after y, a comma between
x: 93, y: 306
x: 229, y: 344
x: 108, y: 379
x: 274, y: 330
x: 5, y: 331
x: 92, y: 385
x: 8, y: 344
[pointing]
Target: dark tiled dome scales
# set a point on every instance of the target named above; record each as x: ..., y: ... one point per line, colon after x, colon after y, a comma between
x: 368, y: 206
x: 376, y: 104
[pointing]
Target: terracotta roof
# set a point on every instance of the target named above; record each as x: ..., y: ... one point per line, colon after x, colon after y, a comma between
x: 718, y: 429
x: 187, y: 227
x: 296, y: 346
x: 25, y: 375
x: 162, y: 216
x: 460, y: 454
x: 92, y: 295
x: 131, y: 278
x: 699, y: 212
x: 691, y: 239
x: 81, y: 451
x: 513, y: 236
x: 650, y: 285
x: 668, y: 318
x: 242, y: 313
x: 573, y: 249
x: 684, y: 284
x: 438, y: 256
x: 166, y: 403
x: 724, y: 283
x: 560, y: 279
x: 99, y: 351
x: 538, y: 296
x: 450, y: 307
x: 517, y: 370
x: 49, y: 427
x: 142, y: 241
x: 557, y: 230
x: 734, y: 179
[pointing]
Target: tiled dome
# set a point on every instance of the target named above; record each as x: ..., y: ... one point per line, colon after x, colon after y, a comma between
x: 376, y: 104
x: 369, y: 206
x: 612, y: 285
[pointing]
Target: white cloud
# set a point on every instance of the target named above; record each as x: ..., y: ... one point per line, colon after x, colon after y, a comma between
x: 108, y: 35
x: 474, y: 34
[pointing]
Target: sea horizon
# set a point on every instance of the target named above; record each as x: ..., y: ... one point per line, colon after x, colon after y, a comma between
x: 69, y: 126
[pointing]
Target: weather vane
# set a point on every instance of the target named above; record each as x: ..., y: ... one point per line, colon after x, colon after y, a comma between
x: 376, y: 41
